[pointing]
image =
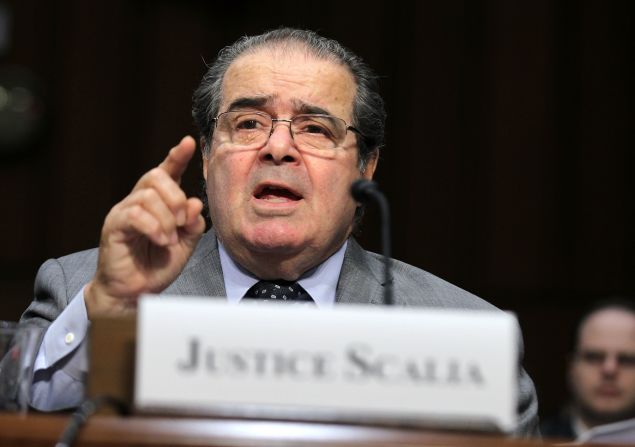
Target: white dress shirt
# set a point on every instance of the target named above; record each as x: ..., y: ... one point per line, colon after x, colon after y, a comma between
x: 319, y: 282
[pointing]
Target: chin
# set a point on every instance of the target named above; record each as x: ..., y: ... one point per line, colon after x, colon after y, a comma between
x: 275, y: 238
x: 606, y: 414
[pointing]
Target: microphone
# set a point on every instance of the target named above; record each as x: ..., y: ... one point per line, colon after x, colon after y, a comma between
x: 363, y: 191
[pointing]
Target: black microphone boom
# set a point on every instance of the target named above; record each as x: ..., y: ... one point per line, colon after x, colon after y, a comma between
x: 362, y: 190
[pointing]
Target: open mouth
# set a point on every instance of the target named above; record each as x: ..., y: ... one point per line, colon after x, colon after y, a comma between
x: 274, y: 194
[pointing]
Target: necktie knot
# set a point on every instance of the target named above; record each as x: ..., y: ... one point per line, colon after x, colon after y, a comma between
x: 278, y: 289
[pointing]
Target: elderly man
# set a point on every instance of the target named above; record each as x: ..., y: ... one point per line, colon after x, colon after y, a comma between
x: 288, y: 120
x: 601, y: 372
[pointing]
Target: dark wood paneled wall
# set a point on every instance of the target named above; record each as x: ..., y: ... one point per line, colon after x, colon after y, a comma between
x: 509, y: 161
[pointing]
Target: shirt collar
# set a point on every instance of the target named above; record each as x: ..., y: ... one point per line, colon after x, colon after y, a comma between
x: 577, y: 425
x: 320, y: 282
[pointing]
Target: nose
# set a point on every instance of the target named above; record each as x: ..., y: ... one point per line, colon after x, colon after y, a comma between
x: 280, y: 147
x: 610, y: 365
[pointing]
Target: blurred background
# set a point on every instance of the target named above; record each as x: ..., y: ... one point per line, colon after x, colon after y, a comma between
x: 509, y: 156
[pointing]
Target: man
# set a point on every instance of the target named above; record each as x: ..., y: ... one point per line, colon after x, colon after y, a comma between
x: 601, y: 371
x: 288, y: 120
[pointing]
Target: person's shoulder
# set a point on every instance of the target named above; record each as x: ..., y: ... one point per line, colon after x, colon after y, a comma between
x: 79, y: 258
x: 80, y: 262
x: 558, y: 426
x: 414, y: 286
x: 74, y: 269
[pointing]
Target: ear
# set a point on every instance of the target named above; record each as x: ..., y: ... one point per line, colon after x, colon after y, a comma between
x: 371, y: 165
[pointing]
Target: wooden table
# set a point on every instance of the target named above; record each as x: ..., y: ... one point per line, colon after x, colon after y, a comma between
x: 45, y: 429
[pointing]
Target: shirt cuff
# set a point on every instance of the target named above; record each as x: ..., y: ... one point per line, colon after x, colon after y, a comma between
x: 65, y: 334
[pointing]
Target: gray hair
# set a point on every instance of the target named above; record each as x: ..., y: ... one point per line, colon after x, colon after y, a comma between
x: 369, y: 115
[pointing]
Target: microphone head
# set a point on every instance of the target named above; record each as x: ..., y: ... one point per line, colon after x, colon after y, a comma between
x: 363, y: 189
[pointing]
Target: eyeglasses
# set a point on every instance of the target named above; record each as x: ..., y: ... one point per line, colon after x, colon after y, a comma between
x: 311, y: 131
x: 593, y: 357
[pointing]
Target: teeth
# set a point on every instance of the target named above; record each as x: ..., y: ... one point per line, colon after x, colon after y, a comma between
x: 276, y: 194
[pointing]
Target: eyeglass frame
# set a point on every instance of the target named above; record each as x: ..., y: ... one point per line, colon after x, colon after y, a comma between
x: 290, y: 120
x: 597, y: 357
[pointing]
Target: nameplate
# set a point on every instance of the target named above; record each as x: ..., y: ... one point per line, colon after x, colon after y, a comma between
x: 441, y: 368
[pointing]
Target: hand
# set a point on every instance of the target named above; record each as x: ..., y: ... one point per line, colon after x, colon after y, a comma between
x: 147, y: 237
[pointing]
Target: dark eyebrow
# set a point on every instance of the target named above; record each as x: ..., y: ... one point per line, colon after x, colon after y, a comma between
x: 249, y: 102
x: 308, y: 109
x: 261, y: 102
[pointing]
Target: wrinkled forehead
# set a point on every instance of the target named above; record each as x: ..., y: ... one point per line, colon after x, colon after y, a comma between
x: 292, y: 80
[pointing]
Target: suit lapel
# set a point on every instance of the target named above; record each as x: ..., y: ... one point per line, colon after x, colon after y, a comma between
x: 202, y: 275
x: 359, y: 282
x: 360, y: 279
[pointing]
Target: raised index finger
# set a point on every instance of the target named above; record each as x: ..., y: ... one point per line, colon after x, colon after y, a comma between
x: 178, y: 158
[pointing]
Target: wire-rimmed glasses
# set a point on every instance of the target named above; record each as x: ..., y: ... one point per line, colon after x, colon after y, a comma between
x: 309, y: 131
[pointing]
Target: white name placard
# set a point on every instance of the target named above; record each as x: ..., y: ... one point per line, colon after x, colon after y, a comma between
x: 356, y: 363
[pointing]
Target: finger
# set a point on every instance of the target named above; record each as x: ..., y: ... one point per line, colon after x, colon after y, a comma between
x: 178, y: 158
x: 150, y: 201
x: 195, y: 224
x: 135, y: 219
x: 168, y: 190
x: 194, y: 218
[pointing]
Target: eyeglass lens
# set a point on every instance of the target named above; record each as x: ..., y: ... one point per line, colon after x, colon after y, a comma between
x: 599, y: 357
x: 253, y: 128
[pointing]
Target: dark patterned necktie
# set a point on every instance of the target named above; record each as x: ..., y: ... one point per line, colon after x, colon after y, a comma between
x: 278, y: 290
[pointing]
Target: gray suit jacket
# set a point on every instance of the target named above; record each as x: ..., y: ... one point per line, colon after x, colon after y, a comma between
x: 361, y: 281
